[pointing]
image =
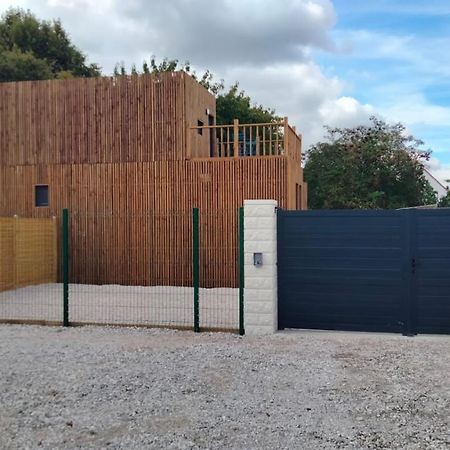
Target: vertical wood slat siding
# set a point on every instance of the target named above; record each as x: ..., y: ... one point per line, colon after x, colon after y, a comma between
x: 114, y: 151
x: 101, y: 120
x: 198, y: 100
x: 131, y: 222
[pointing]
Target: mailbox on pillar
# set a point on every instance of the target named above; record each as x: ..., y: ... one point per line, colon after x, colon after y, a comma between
x: 257, y: 259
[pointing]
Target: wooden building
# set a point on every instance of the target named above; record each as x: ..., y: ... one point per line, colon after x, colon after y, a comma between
x: 130, y: 157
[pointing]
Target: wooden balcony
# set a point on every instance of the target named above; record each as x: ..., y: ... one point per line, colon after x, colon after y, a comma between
x: 244, y: 141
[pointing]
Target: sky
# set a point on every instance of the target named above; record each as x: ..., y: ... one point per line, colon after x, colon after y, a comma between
x: 319, y: 62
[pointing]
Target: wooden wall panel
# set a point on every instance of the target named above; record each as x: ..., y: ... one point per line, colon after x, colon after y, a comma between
x: 7, y: 256
x: 99, y: 120
x: 294, y: 178
x: 198, y: 100
x: 131, y: 222
x: 28, y: 252
x: 116, y: 151
x: 35, y: 251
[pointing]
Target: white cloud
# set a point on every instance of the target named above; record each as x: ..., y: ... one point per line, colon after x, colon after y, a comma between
x: 303, y: 93
x: 102, y: 7
x: 213, y: 33
x: 414, y: 109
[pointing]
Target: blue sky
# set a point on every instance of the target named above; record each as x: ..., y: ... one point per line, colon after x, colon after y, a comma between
x: 394, y: 55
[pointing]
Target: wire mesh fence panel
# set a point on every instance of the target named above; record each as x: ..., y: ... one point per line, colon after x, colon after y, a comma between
x: 219, y: 270
x: 30, y: 287
x: 131, y: 269
x: 141, y: 269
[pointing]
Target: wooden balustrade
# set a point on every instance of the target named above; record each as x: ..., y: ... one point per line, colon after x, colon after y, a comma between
x: 245, y: 140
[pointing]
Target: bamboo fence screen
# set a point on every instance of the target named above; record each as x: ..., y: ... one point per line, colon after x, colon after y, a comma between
x: 28, y: 252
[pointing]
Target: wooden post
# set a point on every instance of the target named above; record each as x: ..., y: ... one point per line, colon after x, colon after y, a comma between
x: 264, y: 139
x: 236, y: 138
x: 286, y: 131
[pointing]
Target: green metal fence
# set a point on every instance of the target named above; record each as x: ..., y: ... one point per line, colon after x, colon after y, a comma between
x: 178, y: 270
x: 65, y: 265
x: 196, y: 266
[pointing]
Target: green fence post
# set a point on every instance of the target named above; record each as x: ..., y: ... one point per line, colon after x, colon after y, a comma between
x: 241, y: 271
x: 65, y: 262
x: 196, y: 266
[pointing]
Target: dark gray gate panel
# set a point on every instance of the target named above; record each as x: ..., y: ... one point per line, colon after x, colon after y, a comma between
x: 432, y: 277
x: 343, y: 270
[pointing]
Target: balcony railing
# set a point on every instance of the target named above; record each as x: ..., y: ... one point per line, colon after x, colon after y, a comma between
x: 244, y: 140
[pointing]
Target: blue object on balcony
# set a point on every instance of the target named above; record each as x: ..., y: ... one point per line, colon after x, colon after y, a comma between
x: 247, y: 147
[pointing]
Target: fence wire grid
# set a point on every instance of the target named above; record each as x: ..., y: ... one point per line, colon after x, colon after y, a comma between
x: 178, y: 269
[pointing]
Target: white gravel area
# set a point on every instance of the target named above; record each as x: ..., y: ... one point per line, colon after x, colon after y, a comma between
x: 114, y: 304
x: 124, y: 388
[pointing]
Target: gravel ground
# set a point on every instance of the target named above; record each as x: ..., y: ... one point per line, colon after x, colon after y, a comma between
x: 127, y: 388
x: 114, y: 304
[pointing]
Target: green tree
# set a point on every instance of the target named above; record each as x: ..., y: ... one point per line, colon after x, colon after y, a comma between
x: 231, y: 103
x: 20, y: 66
x: 235, y: 103
x: 33, y: 49
x: 444, y: 202
x: 369, y: 167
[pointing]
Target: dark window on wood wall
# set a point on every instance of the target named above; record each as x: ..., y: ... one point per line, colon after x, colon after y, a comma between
x: 200, y: 130
x: 41, y: 195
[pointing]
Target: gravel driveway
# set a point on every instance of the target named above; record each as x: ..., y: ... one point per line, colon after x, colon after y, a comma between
x: 126, y: 388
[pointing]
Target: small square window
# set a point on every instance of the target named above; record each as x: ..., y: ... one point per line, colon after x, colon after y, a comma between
x: 41, y: 195
x: 200, y: 130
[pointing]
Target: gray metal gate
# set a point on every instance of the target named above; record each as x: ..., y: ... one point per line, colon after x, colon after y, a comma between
x: 365, y: 270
